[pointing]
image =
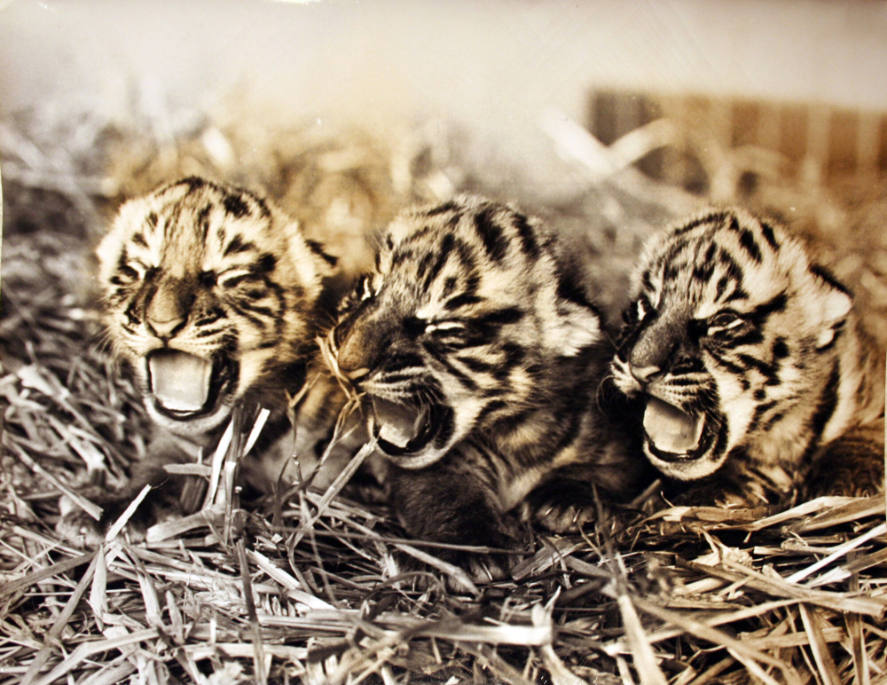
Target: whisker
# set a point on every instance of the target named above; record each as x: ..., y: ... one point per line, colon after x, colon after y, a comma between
x: 339, y: 434
x: 327, y: 345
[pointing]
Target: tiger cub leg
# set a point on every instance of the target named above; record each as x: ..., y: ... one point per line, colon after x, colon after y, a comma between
x: 455, y: 501
x: 611, y: 476
x: 561, y: 505
x: 852, y: 465
x: 170, y: 495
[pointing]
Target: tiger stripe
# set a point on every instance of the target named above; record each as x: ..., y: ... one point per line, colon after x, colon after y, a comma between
x: 206, y: 270
x: 211, y: 299
x: 476, y: 296
x: 776, y: 355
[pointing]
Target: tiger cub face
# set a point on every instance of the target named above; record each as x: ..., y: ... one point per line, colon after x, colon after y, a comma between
x: 209, y: 291
x: 454, y: 328
x: 739, y: 348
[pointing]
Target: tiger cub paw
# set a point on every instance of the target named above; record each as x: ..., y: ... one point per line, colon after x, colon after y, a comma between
x: 80, y: 529
x: 563, y: 517
x: 488, y: 568
x: 470, y: 568
x: 433, y: 505
x: 851, y: 466
x: 560, y: 506
x: 76, y: 527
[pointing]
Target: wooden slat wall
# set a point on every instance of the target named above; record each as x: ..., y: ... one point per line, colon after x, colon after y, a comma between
x: 816, y: 142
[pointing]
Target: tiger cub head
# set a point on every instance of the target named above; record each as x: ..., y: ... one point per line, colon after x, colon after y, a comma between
x: 733, y: 343
x: 208, y: 292
x: 455, y: 327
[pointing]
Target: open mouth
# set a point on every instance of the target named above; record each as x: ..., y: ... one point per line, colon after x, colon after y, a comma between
x: 403, y: 430
x: 184, y: 385
x: 673, y: 435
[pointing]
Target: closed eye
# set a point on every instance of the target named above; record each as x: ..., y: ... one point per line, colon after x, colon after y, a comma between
x: 130, y: 271
x: 361, y: 293
x: 234, y: 277
x: 725, y: 321
x: 365, y: 288
x: 454, y: 327
x: 643, y: 310
x: 415, y: 327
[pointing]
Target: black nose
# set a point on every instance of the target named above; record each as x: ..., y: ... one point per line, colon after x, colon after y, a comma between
x: 339, y: 334
x: 656, y: 345
x: 166, y: 309
x: 643, y: 374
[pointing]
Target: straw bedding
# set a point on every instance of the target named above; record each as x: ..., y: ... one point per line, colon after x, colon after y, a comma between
x: 298, y: 586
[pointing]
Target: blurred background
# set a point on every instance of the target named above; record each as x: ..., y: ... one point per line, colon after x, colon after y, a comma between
x: 345, y: 110
x: 607, y: 118
x: 805, y: 77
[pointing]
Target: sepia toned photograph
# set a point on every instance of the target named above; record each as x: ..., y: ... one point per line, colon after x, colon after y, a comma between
x: 418, y: 342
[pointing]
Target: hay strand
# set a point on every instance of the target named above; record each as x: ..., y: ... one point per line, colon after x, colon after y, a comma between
x: 322, y: 586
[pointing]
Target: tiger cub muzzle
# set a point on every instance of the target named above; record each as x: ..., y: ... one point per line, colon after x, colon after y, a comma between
x: 408, y: 418
x: 181, y: 385
x: 684, y: 434
x: 184, y: 386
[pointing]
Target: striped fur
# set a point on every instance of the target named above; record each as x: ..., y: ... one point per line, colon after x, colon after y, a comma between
x: 217, y: 273
x: 211, y: 298
x: 745, y: 354
x: 478, y: 356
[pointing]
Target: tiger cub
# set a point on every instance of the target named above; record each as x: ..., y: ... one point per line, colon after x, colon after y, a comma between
x: 477, y: 355
x: 746, y: 358
x: 211, y: 298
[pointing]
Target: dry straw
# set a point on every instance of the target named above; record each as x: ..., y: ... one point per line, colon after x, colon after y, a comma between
x: 323, y: 587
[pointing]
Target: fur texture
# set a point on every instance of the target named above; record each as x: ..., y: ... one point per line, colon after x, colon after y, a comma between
x: 211, y: 298
x: 745, y: 355
x: 218, y: 276
x: 478, y: 357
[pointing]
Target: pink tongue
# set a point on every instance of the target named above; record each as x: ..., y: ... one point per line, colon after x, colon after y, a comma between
x: 397, y: 424
x: 180, y: 381
x: 670, y: 429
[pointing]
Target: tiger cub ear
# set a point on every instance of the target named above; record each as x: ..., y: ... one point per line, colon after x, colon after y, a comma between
x: 312, y: 262
x: 833, y: 301
x: 129, y: 215
x: 575, y: 328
